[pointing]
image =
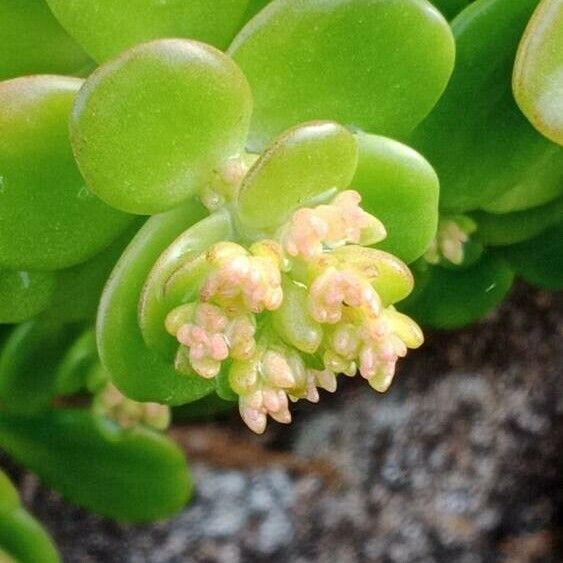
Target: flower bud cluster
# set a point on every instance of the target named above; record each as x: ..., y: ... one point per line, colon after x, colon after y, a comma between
x: 449, y: 243
x: 232, y: 324
x: 112, y: 404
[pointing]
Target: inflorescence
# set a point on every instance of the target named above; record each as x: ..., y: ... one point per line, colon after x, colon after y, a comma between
x: 286, y: 315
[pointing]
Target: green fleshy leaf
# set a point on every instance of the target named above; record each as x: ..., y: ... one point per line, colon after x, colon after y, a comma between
x: 538, y: 72
x: 542, y: 183
x: 449, y: 299
x: 49, y: 220
x: 33, y: 42
x: 539, y: 260
x: 22, y: 539
x: 106, y: 27
x: 78, y: 289
x: 300, y: 165
x: 24, y: 294
x: 156, y: 299
x: 172, y: 110
x: 512, y: 228
x: 129, y: 475
x: 375, y: 66
x: 76, y: 365
x: 292, y: 321
x: 476, y: 137
x: 138, y: 371
x: 401, y: 189
x: 28, y: 365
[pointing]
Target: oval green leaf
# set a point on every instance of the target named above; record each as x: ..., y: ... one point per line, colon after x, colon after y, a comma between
x: 300, y: 165
x: 476, y: 137
x: 138, y: 371
x: 138, y: 475
x: 106, y: 27
x: 48, y: 218
x: 401, y: 189
x: 538, y: 71
x: 375, y: 66
x: 150, y: 127
x: 33, y: 42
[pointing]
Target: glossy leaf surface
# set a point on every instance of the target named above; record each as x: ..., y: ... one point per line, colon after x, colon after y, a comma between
x: 301, y: 164
x: 137, y: 475
x: 449, y: 299
x: 538, y: 72
x: 48, y: 218
x: 476, y: 137
x: 106, y: 27
x: 24, y: 294
x: 150, y: 127
x: 138, y: 371
x: 78, y: 289
x: 401, y: 189
x: 33, y: 41
x: 375, y: 65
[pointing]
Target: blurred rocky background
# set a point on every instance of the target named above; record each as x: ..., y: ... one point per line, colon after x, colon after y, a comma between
x: 461, y: 461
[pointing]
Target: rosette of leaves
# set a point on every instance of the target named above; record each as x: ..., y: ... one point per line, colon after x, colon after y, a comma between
x: 501, y: 180
x: 165, y: 124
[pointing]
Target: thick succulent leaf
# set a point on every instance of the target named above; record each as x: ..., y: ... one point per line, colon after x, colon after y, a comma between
x: 24, y: 294
x: 476, y: 137
x: 156, y: 298
x: 150, y: 127
x: 449, y: 299
x: 512, y: 228
x: 299, y: 166
x: 78, y: 289
x: 450, y: 8
x: 129, y: 475
x: 33, y: 42
x: 138, y: 371
x: 48, y: 218
x: 539, y: 260
x: 374, y: 65
x: 542, y: 183
x: 22, y: 539
x: 28, y: 365
x: 77, y: 363
x: 401, y: 189
x: 538, y: 72
x: 106, y: 27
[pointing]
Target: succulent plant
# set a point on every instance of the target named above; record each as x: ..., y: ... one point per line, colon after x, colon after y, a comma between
x: 207, y: 204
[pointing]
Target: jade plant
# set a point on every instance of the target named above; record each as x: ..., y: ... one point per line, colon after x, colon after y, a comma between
x: 236, y: 205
